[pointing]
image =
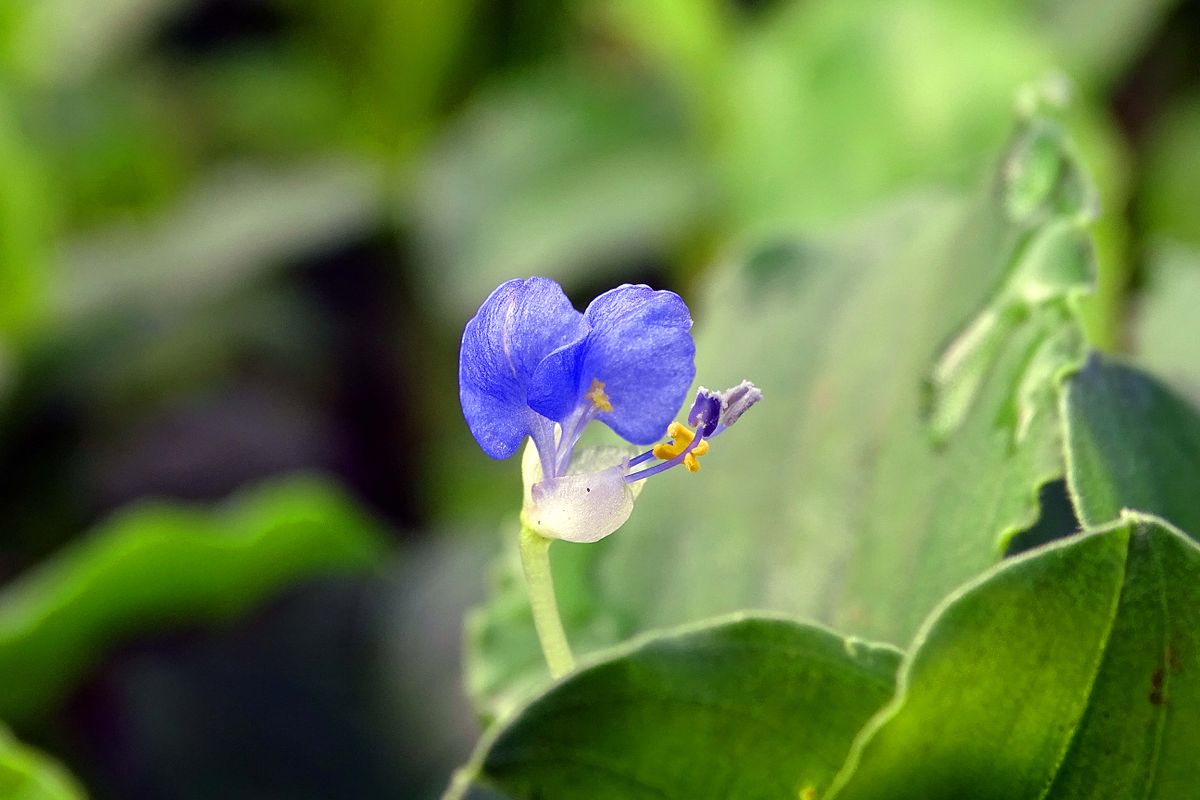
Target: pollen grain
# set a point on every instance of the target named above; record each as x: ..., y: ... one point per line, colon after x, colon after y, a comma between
x: 598, y: 396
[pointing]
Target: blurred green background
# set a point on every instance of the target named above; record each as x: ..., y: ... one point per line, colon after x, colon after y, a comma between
x: 241, y: 516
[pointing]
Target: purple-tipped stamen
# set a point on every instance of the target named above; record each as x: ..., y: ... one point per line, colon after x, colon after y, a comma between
x: 705, y: 413
x: 711, y: 413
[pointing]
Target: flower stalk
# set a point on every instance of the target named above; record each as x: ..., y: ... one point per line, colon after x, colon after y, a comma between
x: 535, y: 562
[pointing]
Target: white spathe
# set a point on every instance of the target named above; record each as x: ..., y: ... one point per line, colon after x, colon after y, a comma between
x: 588, y: 503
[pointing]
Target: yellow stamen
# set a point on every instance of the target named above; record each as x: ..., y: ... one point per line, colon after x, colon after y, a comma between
x: 681, y: 437
x: 598, y: 397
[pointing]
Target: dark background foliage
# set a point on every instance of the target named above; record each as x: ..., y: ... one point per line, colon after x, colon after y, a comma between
x: 239, y: 240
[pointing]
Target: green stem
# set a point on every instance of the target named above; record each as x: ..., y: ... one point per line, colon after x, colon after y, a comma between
x: 535, y: 560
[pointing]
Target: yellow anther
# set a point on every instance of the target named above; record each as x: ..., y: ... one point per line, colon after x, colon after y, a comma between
x: 598, y: 397
x: 681, y: 437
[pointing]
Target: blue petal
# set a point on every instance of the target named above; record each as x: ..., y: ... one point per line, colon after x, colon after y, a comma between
x: 640, y: 346
x: 554, y: 390
x: 514, y: 330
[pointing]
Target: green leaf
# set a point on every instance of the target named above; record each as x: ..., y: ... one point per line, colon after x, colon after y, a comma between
x: 26, y: 774
x: 25, y: 227
x: 68, y: 41
x: 560, y: 174
x: 877, y: 475
x: 1066, y: 673
x: 803, y: 97
x: 737, y: 708
x: 163, y: 565
x: 1166, y: 328
x: 1131, y: 444
x: 1096, y: 42
x: 240, y: 223
x: 787, y: 99
x: 1170, y: 191
x: 273, y: 101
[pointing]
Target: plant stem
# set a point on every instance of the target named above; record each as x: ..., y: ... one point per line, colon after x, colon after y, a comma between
x: 535, y: 560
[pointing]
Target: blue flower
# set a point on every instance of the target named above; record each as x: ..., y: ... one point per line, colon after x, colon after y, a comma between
x: 532, y: 366
x: 529, y: 360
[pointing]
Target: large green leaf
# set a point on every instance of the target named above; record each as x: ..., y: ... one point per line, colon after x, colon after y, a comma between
x: 1131, y: 443
x: 163, y: 565
x: 738, y: 708
x: 26, y: 774
x: 845, y: 497
x: 1066, y: 673
x: 787, y: 101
